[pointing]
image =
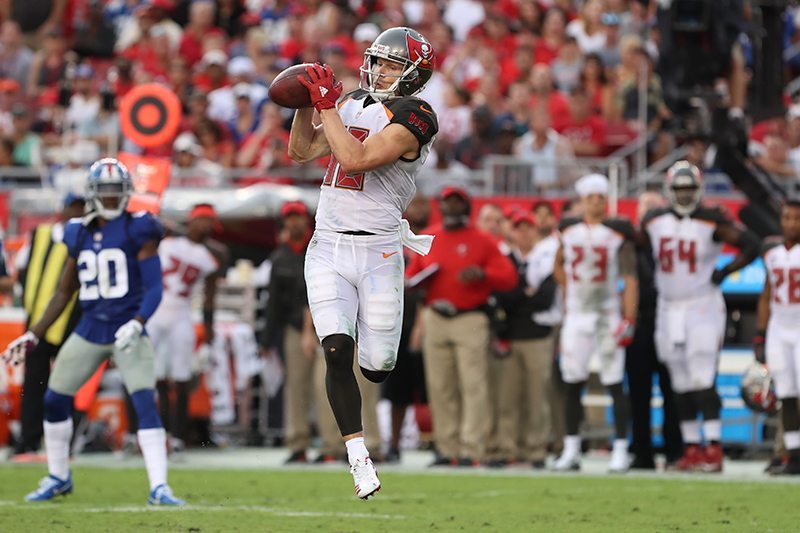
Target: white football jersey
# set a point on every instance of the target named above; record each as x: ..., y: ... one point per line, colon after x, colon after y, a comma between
x: 183, y: 264
x: 783, y: 269
x: 374, y: 201
x: 591, y: 263
x: 685, y: 251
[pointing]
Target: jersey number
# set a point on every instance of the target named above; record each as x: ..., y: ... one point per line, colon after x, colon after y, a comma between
x: 600, y: 263
x: 335, y: 175
x: 687, y: 251
x: 187, y: 273
x: 103, y: 274
x: 781, y: 275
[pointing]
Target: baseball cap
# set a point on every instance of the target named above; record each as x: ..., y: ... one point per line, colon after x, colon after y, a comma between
x: 187, y: 142
x: 203, y: 211
x: 511, y: 211
x: 214, y: 57
x: 592, y: 184
x: 295, y: 207
x: 241, y: 66
x: 9, y: 85
x: 366, y: 31
x: 451, y: 191
x: 241, y: 90
x: 523, y: 217
x: 19, y: 110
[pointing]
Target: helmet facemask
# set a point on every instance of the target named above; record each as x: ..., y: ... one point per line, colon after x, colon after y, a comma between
x: 370, y: 76
x: 684, y: 187
x: 103, y: 194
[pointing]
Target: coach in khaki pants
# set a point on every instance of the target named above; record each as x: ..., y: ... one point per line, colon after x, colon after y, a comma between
x: 289, y: 320
x: 463, y: 267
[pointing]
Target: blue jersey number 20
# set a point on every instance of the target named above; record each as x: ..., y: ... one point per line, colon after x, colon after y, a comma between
x: 103, y: 274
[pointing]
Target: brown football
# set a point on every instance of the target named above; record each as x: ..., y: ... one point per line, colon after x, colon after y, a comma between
x: 286, y: 91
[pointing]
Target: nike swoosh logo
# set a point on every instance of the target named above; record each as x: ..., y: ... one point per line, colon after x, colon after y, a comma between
x: 425, y: 109
x: 387, y: 256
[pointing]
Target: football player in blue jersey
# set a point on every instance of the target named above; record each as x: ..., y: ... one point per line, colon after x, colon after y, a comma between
x: 113, y: 265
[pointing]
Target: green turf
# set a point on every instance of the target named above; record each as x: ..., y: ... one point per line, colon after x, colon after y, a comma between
x: 113, y: 500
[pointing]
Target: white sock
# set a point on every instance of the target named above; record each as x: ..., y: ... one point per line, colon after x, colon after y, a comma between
x: 712, y: 430
x: 572, y: 445
x: 56, y: 444
x: 153, y: 443
x: 791, y: 439
x: 356, y: 451
x: 620, y: 446
x: 690, y: 430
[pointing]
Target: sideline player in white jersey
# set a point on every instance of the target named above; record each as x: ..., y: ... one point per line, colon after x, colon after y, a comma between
x: 186, y: 260
x: 686, y: 239
x: 777, y: 343
x: 378, y: 137
x: 595, y: 253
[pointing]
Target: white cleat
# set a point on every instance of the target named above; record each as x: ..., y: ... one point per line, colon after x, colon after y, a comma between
x: 620, y: 462
x: 365, y: 478
x: 567, y: 462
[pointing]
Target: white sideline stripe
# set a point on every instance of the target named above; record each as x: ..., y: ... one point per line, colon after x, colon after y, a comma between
x: 214, y: 508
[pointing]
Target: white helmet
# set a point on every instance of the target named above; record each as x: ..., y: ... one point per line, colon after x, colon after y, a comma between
x: 758, y: 389
x: 683, y: 187
x: 108, y: 178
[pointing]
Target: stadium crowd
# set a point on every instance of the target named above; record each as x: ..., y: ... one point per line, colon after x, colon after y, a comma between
x: 497, y: 61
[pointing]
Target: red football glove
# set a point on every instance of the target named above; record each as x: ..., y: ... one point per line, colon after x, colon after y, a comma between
x: 322, y: 86
x: 624, y: 333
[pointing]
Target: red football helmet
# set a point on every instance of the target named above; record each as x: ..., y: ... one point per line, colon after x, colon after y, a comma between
x: 683, y: 187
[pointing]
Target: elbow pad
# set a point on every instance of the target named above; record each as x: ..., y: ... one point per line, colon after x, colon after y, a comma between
x: 150, y: 269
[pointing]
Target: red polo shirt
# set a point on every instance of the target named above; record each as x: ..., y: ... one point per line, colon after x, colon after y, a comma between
x: 453, y: 251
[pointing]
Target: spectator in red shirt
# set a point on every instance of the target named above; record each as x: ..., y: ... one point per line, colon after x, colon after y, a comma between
x: 515, y: 67
x: 498, y: 36
x: 529, y: 16
x: 467, y: 266
x: 600, y: 90
x: 553, y: 34
x: 213, y: 74
x: 216, y: 147
x: 48, y: 64
x: 266, y: 147
x: 584, y: 129
x: 544, y: 92
x: 363, y: 36
x: 151, y: 50
x: 292, y: 47
x: 201, y: 20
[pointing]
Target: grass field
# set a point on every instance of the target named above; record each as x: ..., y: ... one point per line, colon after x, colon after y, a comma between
x: 307, y: 500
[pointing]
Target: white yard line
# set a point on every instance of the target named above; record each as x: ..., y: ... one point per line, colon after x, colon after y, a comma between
x: 276, y: 511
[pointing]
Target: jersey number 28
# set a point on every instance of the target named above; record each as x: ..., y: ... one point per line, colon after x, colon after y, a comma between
x: 103, y: 274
